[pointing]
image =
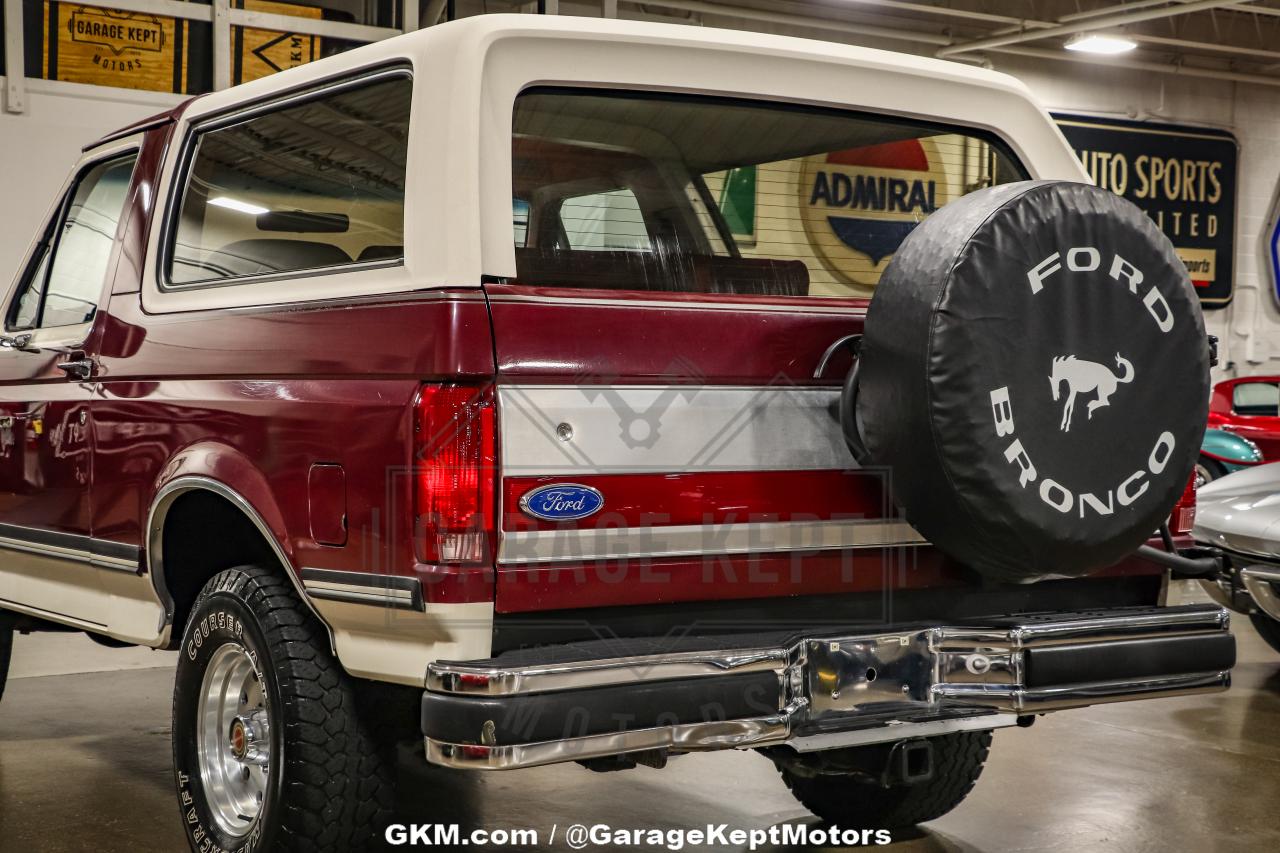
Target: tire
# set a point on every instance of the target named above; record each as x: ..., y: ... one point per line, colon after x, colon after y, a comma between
x: 1268, y: 628
x: 856, y: 800
x: 314, y: 779
x: 1034, y: 373
x: 6, y: 649
x: 1208, y: 470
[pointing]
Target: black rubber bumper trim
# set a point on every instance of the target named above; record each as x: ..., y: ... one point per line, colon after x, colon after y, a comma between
x: 538, y: 717
x: 1154, y: 657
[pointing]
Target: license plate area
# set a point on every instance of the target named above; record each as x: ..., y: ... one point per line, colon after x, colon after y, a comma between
x: 856, y: 674
x: 865, y: 674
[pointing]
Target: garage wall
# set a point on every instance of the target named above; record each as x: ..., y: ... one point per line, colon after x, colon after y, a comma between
x: 1249, y: 328
x: 39, y: 146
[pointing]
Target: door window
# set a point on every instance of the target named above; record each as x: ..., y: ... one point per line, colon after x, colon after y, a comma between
x: 1257, y: 398
x: 70, y: 269
x: 640, y: 191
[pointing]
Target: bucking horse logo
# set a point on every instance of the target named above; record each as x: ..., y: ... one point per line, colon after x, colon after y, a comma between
x: 1085, y: 376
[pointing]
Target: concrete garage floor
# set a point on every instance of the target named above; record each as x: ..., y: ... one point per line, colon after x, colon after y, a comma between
x: 85, y: 765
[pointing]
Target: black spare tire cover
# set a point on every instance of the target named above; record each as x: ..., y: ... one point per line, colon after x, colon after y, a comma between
x: 1035, y: 373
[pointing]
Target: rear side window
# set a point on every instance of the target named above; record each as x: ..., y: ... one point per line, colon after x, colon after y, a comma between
x: 311, y: 186
x: 70, y: 267
x: 638, y: 191
x: 1257, y: 398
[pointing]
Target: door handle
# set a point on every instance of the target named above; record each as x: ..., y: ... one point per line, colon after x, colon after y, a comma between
x: 79, y: 369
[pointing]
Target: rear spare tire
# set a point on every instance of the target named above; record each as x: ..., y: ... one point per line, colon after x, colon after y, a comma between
x: 855, y: 799
x: 1035, y: 374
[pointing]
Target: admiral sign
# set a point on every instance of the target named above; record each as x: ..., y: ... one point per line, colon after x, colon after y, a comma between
x: 1183, y: 177
x: 858, y: 205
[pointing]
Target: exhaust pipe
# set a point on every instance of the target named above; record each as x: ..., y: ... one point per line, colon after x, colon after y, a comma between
x: 1207, y: 566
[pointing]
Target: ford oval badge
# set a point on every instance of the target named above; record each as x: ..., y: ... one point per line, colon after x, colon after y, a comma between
x: 561, y: 502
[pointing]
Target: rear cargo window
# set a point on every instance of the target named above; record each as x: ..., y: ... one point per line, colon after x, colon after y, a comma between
x: 629, y: 191
x: 316, y: 185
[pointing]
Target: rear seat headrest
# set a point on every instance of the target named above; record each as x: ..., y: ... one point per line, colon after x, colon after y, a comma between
x: 273, y: 254
x: 380, y: 253
x: 622, y: 270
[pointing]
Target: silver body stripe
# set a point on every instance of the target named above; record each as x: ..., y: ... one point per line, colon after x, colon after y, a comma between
x: 669, y: 428
x: 78, y: 555
x: 559, y: 546
x: 359, y: 593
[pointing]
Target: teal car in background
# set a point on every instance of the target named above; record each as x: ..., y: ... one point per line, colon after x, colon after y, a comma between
x: 1222, y: 452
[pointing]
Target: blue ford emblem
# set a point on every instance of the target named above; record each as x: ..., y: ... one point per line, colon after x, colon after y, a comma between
x: 561, y: 502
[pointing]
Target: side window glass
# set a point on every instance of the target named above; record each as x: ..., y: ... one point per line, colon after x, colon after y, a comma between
x: 520, y: 220
x: 1257, y: 398
x: 27, y: 309
x: 316, y: 185
x: 67, y: 279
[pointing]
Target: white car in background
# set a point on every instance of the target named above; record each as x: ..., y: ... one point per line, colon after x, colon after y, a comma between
x: 1240, y: 515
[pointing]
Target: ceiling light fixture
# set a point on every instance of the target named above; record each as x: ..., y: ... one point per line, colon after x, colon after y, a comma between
x: 238, y: 205
x: 1100, y: 43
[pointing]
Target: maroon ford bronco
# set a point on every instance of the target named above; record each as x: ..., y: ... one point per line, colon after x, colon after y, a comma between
x: 471, y: 389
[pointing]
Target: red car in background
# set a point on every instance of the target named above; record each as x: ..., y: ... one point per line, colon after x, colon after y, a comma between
x: 1250, y: 408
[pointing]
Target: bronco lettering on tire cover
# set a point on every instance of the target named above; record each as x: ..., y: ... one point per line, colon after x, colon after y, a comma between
x: 1035, y: 374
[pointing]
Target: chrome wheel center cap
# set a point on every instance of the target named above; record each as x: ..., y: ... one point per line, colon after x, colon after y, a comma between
x: 248, y: 739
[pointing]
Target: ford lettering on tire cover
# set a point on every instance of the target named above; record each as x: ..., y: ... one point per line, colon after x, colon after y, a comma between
x: 1035, y: 373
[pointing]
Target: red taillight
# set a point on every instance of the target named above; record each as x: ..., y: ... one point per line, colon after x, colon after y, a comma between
x: 454, y: 471
x: 1183, y: 517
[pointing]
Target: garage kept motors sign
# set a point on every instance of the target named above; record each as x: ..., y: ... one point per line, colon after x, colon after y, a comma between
x: 1183, y: 177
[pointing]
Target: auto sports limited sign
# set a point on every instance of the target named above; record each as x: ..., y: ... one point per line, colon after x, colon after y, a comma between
x: 1183, y: 177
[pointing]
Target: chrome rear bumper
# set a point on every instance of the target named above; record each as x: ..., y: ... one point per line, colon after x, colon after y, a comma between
x: 817, y: 693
